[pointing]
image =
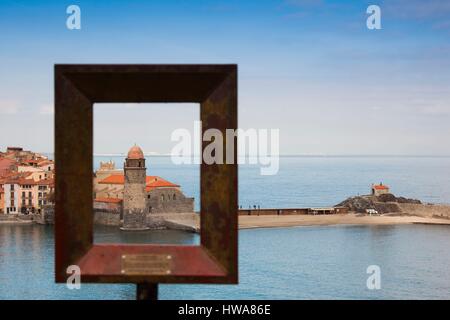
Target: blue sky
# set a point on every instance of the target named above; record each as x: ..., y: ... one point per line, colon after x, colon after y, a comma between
x: 308, y: 67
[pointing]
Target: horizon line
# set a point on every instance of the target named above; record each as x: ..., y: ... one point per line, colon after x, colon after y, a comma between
x: 155, y: 154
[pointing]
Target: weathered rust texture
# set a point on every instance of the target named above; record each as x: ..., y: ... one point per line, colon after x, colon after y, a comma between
x: 77, y: 88
x: 73, y: 181
x: 218, y: 185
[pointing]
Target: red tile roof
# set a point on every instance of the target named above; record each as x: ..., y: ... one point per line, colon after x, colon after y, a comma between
x: 114, y: 179
x: 5, y: 164
x: 380, y: 187
x: 30, y: 161
x: 17, y: 178
x: 151, y: 181
x: 21, y: 179
x: 27, y: 181
x: 135, y: 153
x: 44, y: 162
x: 46, y: 182
x: 157, y: 182
x: 108, y: 200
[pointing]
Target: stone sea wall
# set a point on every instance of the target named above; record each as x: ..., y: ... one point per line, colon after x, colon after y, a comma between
x: 107, y: 213
x: 107, y: 218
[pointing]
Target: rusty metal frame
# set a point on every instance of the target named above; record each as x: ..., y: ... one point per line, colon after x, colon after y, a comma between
x: 77, y: 88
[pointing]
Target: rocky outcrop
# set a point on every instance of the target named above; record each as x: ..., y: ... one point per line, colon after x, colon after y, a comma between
x: 385, y: 203
x: 389, y: 197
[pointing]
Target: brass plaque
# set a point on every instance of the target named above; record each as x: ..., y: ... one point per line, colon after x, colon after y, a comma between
x: 146, y: 264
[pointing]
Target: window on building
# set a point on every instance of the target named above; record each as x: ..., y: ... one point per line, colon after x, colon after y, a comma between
x: 162, y: 197
x: 174, y: 196
x: 23, y: 194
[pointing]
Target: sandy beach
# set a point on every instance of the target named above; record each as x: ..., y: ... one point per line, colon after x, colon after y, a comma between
x: 248, y: 222
x: 191, y: 222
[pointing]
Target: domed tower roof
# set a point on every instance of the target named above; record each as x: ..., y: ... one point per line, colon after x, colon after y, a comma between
x: 135, y: 153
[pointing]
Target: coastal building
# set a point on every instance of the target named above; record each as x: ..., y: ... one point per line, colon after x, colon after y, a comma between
x: 6, y: 166
x: 26, y: 181
x: 46, y: 165
x: 315, y: 211
x: 134, y: 191
x: 22, y: 156
x: 16, y: 151
x: 137, y: 196
x: 379, y: 189
x: 27, y: 193
x: 2, y: 199
x: 161, y: 196
x: 11, y: 205
x: 106, y: 169
x: 43, y: 190
x: 2, y: 194
x: 35, y: 173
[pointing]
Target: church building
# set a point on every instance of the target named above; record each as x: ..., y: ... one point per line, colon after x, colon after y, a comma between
x: 138, y: 195
x: 379, y: 189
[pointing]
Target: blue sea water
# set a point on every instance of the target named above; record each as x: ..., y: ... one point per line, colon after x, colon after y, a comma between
x: 279, y: 263
x: 317, y: 181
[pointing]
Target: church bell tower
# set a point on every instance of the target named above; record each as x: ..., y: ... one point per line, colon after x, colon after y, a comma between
x: 134, y: 202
